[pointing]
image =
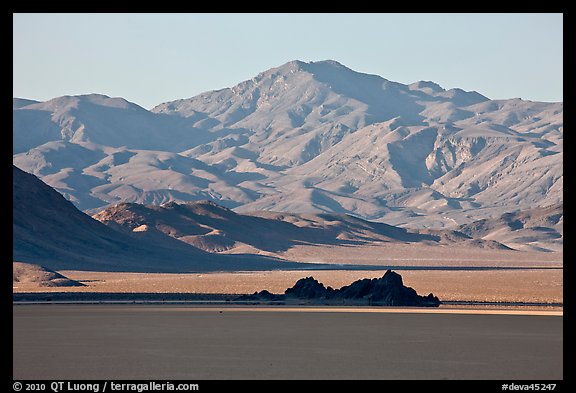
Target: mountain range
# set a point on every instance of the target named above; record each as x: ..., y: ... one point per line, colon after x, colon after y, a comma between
x: 304, y: 138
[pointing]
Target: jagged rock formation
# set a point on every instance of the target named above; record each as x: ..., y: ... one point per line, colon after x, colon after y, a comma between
x: 262, y: 296
x: 388, y: 290
x: 309, y: 288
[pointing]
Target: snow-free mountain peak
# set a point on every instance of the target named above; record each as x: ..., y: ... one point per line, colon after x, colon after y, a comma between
x: 66, y: 103
x: 304, y: 137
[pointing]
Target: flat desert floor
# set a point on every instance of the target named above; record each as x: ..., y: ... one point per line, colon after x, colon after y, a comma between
x: 539, y: 279
x: 59, y: 342
x: 530, y: 285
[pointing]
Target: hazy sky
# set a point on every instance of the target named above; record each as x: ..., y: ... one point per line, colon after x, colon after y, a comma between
x: 153, y: 58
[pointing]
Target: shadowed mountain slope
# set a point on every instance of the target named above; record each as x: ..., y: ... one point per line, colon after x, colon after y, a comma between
x: 48, y: 230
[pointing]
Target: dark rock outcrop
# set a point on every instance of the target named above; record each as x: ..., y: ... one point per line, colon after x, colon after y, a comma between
x: 388, y: 290
x: 262, y: 295
x: 309, y: 288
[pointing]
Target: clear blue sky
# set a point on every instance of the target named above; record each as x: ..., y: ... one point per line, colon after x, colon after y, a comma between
x: 153, y: 58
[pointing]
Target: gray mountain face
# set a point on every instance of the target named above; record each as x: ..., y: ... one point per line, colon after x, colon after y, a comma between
x: 304, y: 137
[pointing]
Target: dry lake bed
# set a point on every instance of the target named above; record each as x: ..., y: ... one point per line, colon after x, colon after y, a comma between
x: 58, y: 341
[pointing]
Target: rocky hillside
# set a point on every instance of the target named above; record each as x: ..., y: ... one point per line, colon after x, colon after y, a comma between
x: 214, y: 228
x: 538, y: 229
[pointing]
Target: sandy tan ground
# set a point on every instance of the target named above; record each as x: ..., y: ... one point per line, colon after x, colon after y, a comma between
x: 420, y: 255
x: 529, y: 285
x: 502, y: 286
